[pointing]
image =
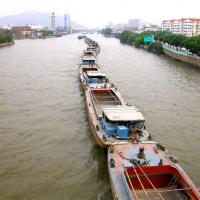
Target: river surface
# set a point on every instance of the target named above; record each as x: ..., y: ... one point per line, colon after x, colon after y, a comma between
x: 47, y: 150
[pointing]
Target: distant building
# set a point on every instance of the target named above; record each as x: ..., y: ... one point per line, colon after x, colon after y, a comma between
x: 36, y: 27
x: 65, y: 20
x: 6, y: 26
x: 153, y: 28
x: 184, y: 26
x: 124, y: 25
x: 135, y: 23
x: 133, y: 29
x: 21, y: 31
x: 52, y: 21
x: 67, y: 23
x: 118, y: 26
x: 110, y: 25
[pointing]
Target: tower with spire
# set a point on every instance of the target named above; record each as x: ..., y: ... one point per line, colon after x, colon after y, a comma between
x: 52, y: 21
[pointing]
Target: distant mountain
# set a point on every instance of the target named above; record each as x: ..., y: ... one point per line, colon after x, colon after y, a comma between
x: 35, y: 17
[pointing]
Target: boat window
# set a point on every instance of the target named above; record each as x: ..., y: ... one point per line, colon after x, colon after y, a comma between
x: 136, y: 124
x: 106, y: 119
x: 112, y: 122
x: 121, y: 123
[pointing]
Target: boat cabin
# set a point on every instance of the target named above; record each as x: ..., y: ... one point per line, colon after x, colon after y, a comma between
x: 88, y: 61
x: 88, y: 53
x: 95, y: 77
x: 90, y: 48
x: 95, y: 45
x: 85, y: 69
x: 121, y: 121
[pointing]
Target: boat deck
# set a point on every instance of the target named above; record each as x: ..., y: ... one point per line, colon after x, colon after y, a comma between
x: 104, y: 98
x: 166, y: 193
x: 155, y: 180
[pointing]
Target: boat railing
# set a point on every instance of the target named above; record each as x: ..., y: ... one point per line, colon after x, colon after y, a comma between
x: 113, y: 96
x: 91, y: 95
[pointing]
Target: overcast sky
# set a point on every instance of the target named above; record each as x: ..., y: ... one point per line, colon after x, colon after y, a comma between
x: 98, y: 13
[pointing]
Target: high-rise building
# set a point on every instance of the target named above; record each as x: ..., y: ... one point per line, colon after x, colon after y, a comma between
x: 135, y: 23
x: 67, y: 23
x: 52, y: 21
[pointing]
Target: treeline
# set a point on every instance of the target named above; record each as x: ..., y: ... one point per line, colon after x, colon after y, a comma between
x: 46, y: 32
x: 190, y: 43
x: 107, y: 31
x: 137, y: 39
x: 6, y: 36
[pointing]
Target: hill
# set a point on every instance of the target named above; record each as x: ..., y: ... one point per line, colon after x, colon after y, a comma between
x: 35, y: 17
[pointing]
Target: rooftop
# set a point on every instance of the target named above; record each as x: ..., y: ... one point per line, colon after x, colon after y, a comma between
x: 122, y: 113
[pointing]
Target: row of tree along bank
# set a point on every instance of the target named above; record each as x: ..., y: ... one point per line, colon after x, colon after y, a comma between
x: 192, y: 44
x: 179, y: 41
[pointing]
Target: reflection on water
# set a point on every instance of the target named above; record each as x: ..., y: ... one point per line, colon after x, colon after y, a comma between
x: 47, y: 149
x: 97, y: 163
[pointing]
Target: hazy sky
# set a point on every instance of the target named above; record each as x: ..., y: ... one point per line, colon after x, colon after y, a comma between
x: 99, y: 13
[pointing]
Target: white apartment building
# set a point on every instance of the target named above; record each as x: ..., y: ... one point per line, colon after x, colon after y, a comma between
x: 184, y: 26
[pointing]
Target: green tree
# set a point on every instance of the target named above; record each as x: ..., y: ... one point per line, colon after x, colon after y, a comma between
x: 124, y: 36
x: 47, y: 32
x: 131, y: 38
x: 107, y: 31
x: 155, y: 47
x: 6, y: 36
x: 139, y: 41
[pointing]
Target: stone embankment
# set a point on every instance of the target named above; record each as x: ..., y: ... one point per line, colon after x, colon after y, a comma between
x: 183, y: 56
x: 7, y: 44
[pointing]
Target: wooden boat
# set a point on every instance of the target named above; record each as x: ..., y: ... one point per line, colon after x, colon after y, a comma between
x: 87, y: 40
x: 111, y: 119
x: 97, y: 47
x: 93, y: 45
x: 145, y: 170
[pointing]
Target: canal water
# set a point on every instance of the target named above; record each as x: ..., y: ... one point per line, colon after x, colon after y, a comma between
x: 47, y: 150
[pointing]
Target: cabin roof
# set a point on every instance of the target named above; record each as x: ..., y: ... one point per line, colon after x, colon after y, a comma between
x: 96, y: 73
x: 88, y: 51
x: 89, y: 58
x: 122, y: 113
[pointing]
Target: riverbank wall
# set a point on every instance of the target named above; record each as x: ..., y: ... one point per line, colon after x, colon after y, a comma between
x: 182, y: 56
x: 7, y: 44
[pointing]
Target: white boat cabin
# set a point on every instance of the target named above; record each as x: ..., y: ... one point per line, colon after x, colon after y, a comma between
x: 122, y: 121
x: 91, y: 48
x: 90, y: 60
x: 95, y: 77
x: 88, y: 53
